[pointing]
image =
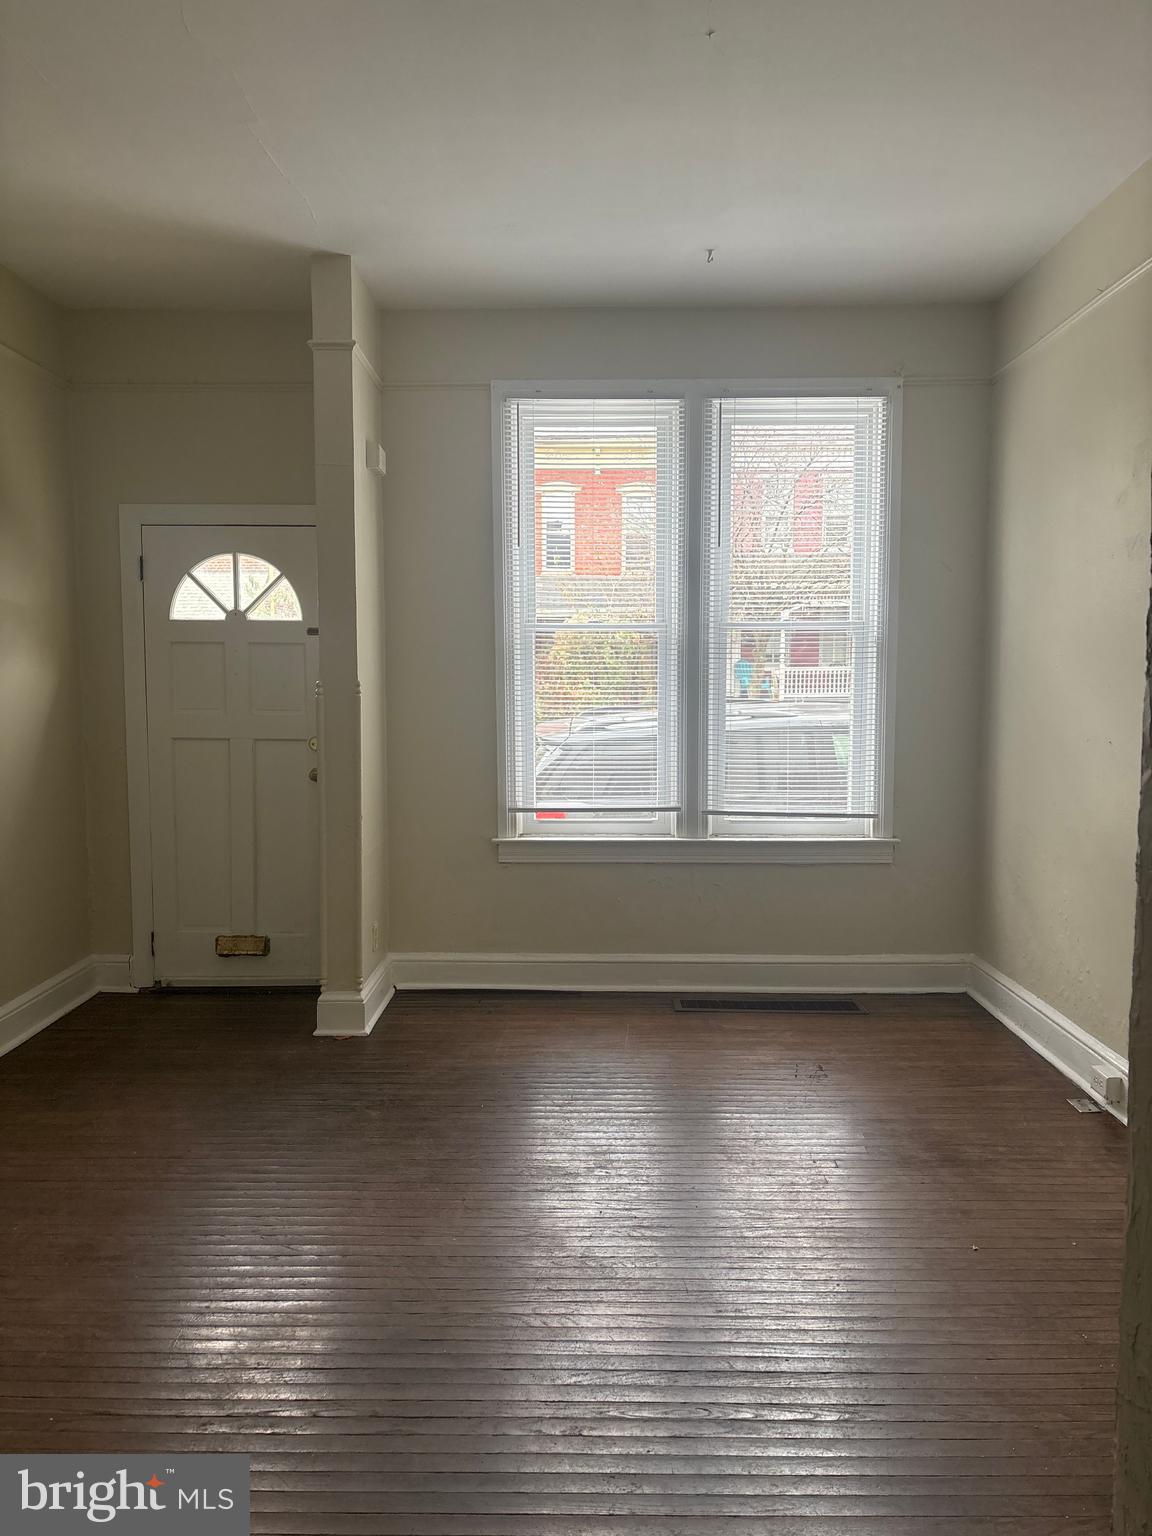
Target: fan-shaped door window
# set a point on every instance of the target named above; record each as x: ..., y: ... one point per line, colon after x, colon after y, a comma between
x: 235, y: 583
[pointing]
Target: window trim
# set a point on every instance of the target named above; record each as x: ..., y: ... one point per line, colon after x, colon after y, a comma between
x: 692, y: 843
x: 696, y: 850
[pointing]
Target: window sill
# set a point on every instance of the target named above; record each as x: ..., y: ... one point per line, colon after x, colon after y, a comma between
x: 688, y: 850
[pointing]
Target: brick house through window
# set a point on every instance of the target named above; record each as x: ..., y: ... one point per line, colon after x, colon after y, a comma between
x: 790, y: 510
x: 808, y: 513
x: 581, y: 520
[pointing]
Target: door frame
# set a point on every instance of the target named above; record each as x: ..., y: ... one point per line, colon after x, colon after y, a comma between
x: 134, y: 518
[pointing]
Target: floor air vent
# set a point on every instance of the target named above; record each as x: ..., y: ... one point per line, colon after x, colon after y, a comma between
x: 766, y: 1005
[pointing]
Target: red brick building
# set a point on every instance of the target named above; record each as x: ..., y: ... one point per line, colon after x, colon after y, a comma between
x: 594, y: 521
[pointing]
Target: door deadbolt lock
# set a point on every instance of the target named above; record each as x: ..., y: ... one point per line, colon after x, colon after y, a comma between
x: 311, y: 743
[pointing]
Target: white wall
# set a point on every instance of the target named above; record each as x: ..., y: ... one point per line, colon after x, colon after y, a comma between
x: 1068, y: 594
x: 44, y: 887
x: 449, y: 891
x: 172, y: 407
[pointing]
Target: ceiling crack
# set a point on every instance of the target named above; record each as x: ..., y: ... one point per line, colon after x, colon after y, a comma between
x: 253, y: 124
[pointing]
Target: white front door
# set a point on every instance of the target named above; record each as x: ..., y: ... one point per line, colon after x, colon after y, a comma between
x: 230, y: 624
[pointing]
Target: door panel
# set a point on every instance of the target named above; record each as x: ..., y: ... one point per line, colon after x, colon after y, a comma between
x: 198, y: 677
x: 201, y: 812
x: 231, y: 673
x: 276, y: 678
x: 282, y: 796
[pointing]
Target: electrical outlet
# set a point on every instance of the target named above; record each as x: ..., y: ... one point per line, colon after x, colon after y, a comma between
x: 375, y: 937
x: 1111, y: 1088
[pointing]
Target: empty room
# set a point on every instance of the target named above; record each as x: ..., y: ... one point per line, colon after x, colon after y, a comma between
x: 576, y: 781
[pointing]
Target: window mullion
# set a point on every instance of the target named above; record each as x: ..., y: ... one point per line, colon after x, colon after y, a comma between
x: 861, y: 611
x: 526, y: 628
x: 691, y: 821
x: 715, y: 587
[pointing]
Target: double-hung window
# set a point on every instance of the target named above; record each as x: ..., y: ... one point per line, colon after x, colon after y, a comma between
x: 696, y: 620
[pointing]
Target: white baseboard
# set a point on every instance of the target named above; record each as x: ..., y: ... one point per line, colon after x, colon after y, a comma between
x: 344, y: 1013
x: 35, y: 1009
x: 1069, y: 1048
x: 112, y: 973
x: 684, y: 973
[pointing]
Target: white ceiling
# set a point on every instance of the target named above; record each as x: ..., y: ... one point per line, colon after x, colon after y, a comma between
x: 559, y: 151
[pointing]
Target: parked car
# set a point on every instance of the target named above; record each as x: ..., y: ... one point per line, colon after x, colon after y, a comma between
x: 778, y: 756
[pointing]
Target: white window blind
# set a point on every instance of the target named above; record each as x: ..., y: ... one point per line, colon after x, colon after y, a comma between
x: 592, y: 628
x: 695, y: 657
x: 795, y: 539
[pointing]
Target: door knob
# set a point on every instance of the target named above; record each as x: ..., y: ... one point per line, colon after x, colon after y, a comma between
x: 313, y: 775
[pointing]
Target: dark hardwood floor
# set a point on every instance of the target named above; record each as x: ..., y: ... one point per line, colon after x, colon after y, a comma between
x: 530, y: 1266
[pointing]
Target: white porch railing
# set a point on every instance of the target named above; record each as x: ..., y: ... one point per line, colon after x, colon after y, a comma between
x: 815, y: 682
